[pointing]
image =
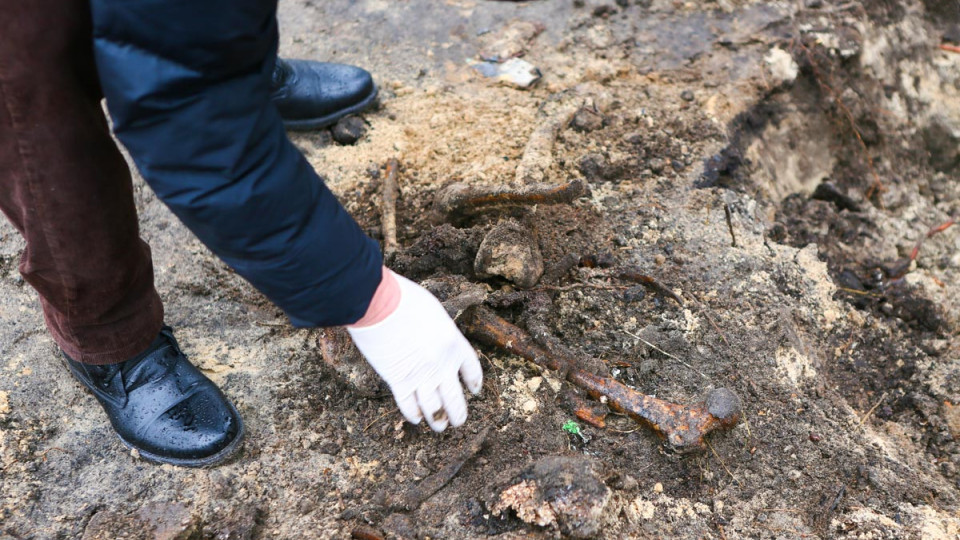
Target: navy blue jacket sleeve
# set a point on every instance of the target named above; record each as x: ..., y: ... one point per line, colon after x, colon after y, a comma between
x: 187, y: 85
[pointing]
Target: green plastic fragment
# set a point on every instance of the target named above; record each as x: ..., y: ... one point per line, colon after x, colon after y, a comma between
x: 571, y: 427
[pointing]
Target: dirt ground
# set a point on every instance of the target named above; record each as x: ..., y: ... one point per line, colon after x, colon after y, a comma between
x: 769, y: 162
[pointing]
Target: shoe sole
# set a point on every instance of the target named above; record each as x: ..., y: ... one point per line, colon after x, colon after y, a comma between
x: 209, y: 461
x: 326, y: 121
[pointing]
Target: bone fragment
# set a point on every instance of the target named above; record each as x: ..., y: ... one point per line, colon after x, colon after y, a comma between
x: 460, y: 199
x: 390, y: 192
x: 538, y: 154
x: 683, y: 427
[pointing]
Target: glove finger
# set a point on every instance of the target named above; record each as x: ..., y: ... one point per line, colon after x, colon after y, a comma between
x: 432, y: 407
x: 409, y: 409
x: 471, y: 371
x: 452, y: 395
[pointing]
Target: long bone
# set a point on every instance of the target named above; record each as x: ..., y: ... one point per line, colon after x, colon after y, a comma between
x: 461, y: 199
x: 684, y: 427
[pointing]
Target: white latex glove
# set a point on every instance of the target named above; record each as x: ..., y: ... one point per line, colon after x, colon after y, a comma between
x: 419, y: 352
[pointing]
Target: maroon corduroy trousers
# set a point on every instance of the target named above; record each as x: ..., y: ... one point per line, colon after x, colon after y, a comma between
x: 67, y: 189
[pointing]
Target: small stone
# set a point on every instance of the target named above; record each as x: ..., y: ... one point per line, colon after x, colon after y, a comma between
x: 633, y: 138
x: 586, y: 119
x: 349, y: 130
x: 658, y: 488
x: 305, y: 506
x: 592, y: 166
x: 657, y: 165
x: 849, y: 280
x: 687, y: 95
x: 510, y: 250
x: 604, y: 11
x: 627, y: 483
x: 828, y: 192
x: 781, y: 65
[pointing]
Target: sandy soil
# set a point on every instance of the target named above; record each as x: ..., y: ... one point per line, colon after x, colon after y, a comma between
x: 706, y: 132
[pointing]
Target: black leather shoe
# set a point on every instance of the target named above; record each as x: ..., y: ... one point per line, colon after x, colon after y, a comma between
x: 163, y: 407
x: 313, y: 95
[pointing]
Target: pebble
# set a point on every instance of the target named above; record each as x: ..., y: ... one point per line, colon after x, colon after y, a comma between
x: 592, y: 165
x: 586, y: 119
x: 658, y: 488
x: 510, y: 250
x: 349, y: 130
x: 657, y: 165
x: 687, y: 95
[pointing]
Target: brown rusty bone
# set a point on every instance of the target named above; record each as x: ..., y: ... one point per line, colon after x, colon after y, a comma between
x: 684, y: 427
x: 461, y: 199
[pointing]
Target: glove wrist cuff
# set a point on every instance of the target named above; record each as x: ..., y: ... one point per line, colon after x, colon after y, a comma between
x: 384, y: 302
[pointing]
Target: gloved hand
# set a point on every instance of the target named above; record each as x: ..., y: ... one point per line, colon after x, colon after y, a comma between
x: 419, y: 352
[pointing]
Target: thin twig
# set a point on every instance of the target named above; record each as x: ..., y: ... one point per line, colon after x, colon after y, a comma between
x: 733, y: 235
x: 877, y: 404
x: 661, y: 351
x: 572, y: 286
x: 858, y: 292
x: 650, y: 283
x: 412, y: 498
x: 932, y: 232
x: 722, y: 464
x: 877, y: 186
x: 377, y: 419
